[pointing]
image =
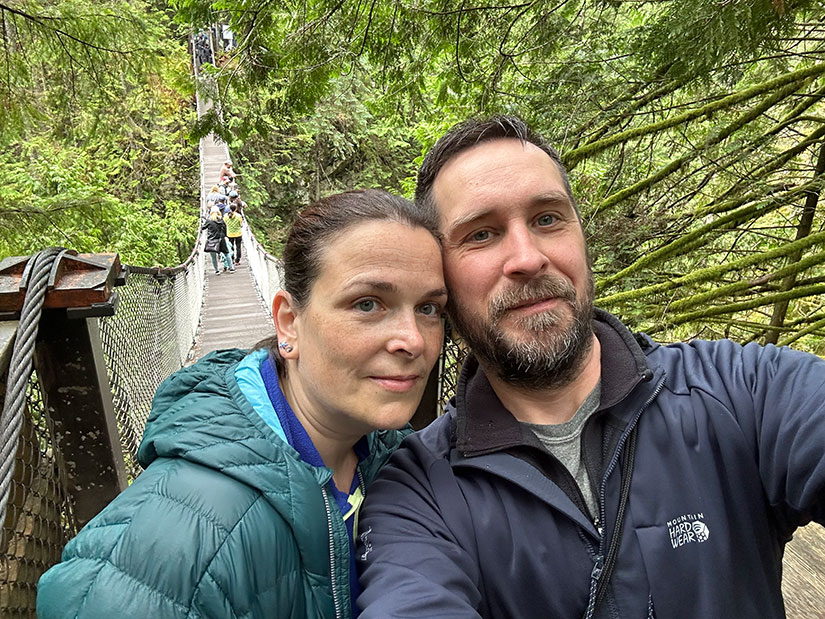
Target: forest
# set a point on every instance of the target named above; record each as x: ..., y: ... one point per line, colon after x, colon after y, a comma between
x: 692, y: 130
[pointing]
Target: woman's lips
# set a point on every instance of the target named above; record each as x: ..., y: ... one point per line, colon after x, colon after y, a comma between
x: 397, y: 383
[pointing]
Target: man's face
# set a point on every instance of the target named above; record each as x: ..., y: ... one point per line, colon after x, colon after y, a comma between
x: 515, y: 262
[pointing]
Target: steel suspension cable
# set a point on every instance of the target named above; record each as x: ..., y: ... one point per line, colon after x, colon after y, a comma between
x: 20, y: 367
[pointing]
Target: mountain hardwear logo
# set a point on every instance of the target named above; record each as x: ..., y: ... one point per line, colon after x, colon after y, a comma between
x: 686, y: 529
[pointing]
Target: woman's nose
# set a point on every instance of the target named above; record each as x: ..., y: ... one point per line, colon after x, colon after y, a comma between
x: 406, y: 336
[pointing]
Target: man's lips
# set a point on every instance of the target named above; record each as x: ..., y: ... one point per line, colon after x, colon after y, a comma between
x: 398, y: 383
x: 534, y: 306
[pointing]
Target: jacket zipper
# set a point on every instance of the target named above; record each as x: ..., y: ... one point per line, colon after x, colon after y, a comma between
x: 335, y: 601
x: 599, y: 523
x: 363, y: 489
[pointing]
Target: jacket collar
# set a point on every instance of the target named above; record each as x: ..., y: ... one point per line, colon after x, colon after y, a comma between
x: 491, y: 427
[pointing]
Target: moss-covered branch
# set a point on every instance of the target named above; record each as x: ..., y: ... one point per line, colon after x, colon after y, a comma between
x: 725, y: 203
x: 691, y: 240
x: 574, y: 156
x: 812, y: 328
x: 715, y: 272
x: 713, y: 139
x: 729, y: 308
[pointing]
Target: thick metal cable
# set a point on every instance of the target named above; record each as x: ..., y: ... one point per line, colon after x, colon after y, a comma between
x: 20, y: 367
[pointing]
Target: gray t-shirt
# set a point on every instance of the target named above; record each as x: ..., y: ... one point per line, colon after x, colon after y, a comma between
x: 563, y: 440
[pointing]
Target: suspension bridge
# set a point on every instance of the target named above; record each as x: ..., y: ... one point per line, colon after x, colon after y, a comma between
x: 107, y: 337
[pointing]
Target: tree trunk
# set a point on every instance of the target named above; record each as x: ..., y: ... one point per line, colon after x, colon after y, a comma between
x: 780, y: 309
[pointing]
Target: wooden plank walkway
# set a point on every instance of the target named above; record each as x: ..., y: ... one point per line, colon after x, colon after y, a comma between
x: 233, y: 314
x: 803, y: 581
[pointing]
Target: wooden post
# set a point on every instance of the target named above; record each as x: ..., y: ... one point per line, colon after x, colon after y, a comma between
x: 72, y: 372
x: 78, y: 400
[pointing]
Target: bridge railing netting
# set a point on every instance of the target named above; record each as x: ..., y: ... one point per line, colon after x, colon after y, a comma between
x: 39, y: 519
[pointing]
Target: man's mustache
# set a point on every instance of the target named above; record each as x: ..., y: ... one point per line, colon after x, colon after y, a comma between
x: 544, y: 287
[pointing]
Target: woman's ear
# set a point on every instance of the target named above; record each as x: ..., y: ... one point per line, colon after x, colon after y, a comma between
x: 285, y: 317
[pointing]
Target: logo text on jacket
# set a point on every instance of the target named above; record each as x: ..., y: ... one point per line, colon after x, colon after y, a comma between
x: 687, y: 528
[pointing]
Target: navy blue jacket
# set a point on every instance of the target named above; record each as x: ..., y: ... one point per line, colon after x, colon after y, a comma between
x: 472, y: 517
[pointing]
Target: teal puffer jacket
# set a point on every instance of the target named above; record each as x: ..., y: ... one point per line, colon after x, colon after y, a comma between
x: 227, y: 522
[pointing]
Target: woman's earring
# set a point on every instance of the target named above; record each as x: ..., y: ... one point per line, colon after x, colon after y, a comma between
x: 285, y: 346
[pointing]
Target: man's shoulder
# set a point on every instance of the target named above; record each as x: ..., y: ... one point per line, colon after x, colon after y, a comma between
x: 704, y: 362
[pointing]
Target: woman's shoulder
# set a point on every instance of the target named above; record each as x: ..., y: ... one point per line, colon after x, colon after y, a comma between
x: 177, y: 513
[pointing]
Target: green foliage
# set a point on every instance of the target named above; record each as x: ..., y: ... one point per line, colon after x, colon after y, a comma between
x: 692, y: 130
x: 96, y: 153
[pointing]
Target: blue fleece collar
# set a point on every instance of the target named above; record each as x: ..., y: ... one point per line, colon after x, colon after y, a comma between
x: 248, y: 377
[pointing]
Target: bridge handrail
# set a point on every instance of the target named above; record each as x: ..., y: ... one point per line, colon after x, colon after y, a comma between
x: 267, y: 270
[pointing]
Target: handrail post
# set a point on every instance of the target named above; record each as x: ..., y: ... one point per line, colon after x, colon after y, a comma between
x: 77, y: 397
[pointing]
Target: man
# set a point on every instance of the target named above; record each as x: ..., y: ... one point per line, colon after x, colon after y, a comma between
x: 226, y: 171
x: 581, y: 470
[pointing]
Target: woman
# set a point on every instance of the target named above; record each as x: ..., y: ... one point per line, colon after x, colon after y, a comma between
x: 216, y: 240
x: 256, y: 462
x: 212, y: 196
x: 234, y: 232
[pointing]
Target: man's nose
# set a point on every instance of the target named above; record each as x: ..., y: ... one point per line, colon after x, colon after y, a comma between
x: 523, y: 254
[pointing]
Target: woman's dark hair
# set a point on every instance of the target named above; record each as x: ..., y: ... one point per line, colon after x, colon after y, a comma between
x: 318, y: 224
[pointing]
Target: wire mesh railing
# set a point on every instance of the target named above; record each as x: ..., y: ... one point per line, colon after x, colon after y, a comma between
x: 39, y: 519
x: 267, y: 270
x: 147, y: 339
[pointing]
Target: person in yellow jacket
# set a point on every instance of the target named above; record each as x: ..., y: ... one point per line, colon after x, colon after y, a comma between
x: 233, y: 223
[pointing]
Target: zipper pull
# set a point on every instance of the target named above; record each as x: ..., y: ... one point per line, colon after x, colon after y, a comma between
x: 597, y: 569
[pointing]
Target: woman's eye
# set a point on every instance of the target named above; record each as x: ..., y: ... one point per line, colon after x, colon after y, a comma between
x: 430, y: 309
x: 546, y: 220
x: 366, y: 305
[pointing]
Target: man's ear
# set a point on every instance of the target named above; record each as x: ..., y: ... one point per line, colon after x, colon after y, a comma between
x: 285, y: 317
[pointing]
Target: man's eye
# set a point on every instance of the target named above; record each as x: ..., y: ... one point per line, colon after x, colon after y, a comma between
x: 546, y: 220
x: 430, y: 309
x: 366, y: 305
x: 481, y: 235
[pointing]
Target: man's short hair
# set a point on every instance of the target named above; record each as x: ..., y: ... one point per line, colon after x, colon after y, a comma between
x: 469, y: 133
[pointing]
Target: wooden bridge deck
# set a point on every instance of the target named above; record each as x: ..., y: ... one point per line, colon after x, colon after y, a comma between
x: 803, y: 582
x: 233, y: 314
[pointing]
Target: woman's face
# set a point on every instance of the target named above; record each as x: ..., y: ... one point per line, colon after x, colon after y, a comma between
x: 371, y: 331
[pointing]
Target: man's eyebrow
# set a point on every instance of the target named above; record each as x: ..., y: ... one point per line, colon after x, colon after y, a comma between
x: 468, y: 218
x: 437, y: 292
x: 552, y: 196
x: 549, y: 197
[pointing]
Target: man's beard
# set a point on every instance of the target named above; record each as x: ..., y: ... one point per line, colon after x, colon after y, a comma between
x: 548, y: 353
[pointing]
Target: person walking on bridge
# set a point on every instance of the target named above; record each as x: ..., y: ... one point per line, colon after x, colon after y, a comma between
x: 256, y: 463
x: 234, y: 232
x: 216, y: 242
